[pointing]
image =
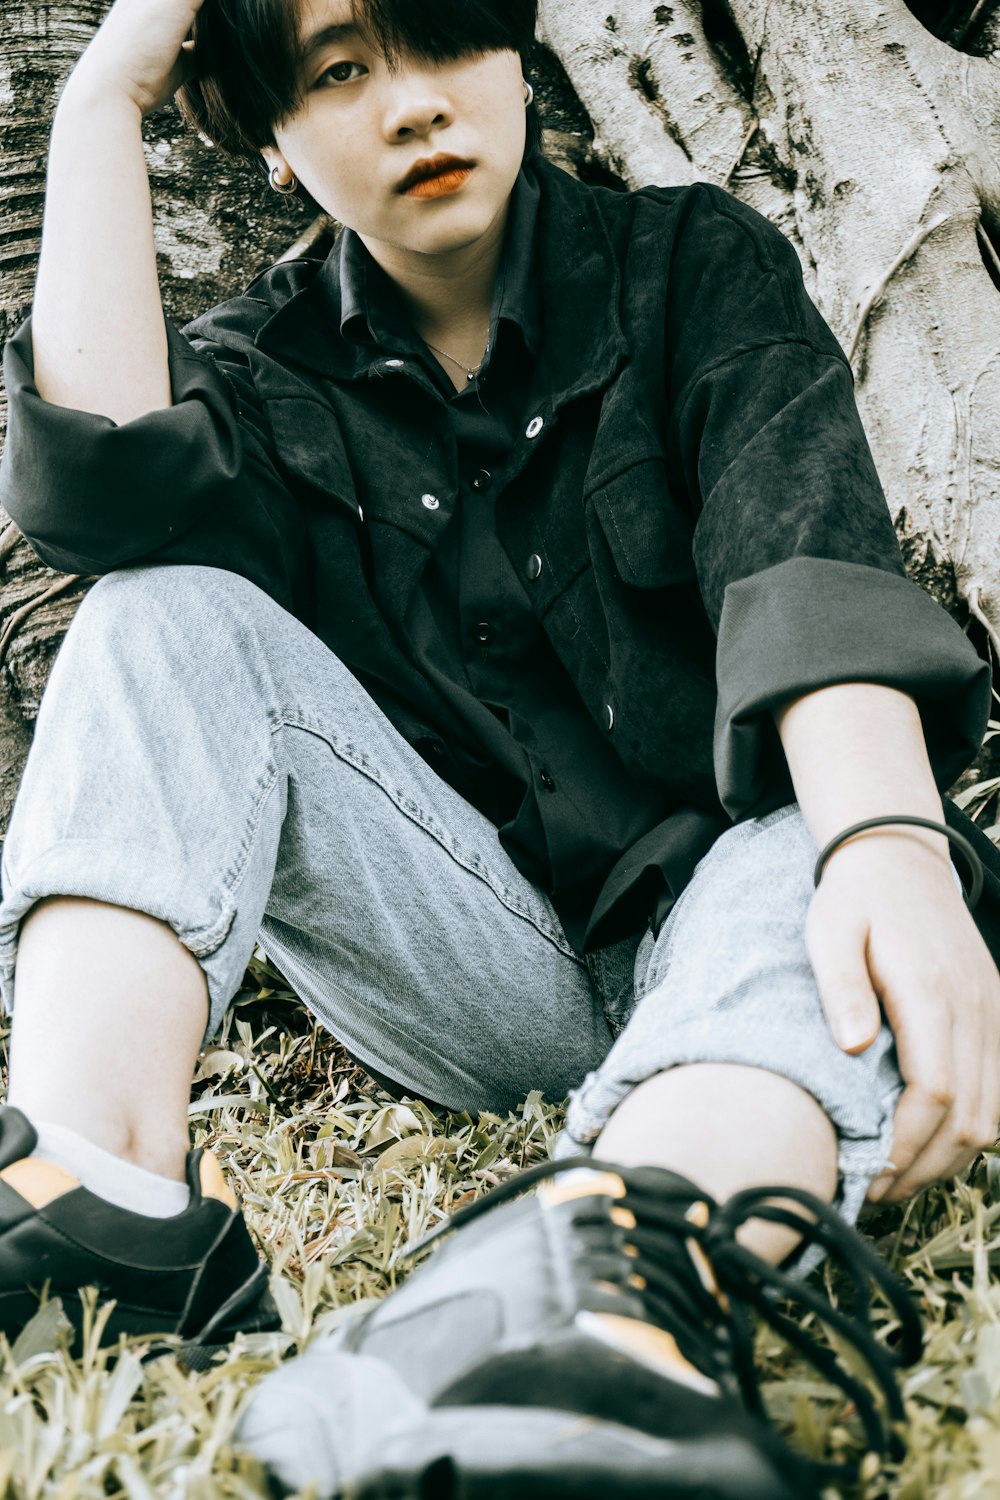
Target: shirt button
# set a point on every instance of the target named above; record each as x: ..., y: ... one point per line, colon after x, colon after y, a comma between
x: 547, y: 781
x: 609, y: 717
x: 482, y: 481
x: 534, y: 427
x: 484, y: 632
x: 533, y: 567
x: 430, y: 501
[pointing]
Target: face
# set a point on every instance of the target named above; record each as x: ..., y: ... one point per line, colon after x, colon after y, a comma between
x: 362, y: 129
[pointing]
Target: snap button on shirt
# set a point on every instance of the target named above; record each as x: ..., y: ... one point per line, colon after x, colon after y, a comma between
x: 394, y: 364
x: 482, y: 481
x: 483, y: 632
x: 547, y: 781
x: 534, y: 427
x: 533, y: 567
x: 430, y: 501
x: 609, y: 717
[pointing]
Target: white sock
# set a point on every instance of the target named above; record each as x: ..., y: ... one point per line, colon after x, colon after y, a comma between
x: 108, y: 1176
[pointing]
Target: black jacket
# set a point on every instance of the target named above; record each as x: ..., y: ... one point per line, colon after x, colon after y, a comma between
x: 693, y: 502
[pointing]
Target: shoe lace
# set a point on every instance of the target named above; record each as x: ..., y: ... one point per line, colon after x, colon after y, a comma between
x: 661, y: 1204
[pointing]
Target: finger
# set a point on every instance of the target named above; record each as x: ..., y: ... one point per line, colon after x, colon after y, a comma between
x: 926, y: 1052
x: 850, y: 1004
x: 959, y: 1137
x: 972, y: 1122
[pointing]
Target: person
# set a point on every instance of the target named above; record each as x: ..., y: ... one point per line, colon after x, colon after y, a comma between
x: 497, y: 618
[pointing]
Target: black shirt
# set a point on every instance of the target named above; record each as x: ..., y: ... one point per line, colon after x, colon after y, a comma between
x: 532, y: 759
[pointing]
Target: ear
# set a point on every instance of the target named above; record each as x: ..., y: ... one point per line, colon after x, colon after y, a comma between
x: 274, y: 159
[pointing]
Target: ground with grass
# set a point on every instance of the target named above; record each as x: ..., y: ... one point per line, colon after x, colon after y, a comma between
x: 336, y: 1178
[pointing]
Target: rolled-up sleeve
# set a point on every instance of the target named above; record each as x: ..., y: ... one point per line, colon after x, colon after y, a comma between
x: 797, y: 560
x: 193, y: 482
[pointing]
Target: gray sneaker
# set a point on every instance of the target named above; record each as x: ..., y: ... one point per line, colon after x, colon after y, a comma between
x: 591, y: 1340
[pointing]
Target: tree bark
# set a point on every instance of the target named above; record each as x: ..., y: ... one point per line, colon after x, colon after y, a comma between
x: 871, y: 141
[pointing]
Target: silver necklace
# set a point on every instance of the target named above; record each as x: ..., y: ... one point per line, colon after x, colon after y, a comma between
x: 470, y: 374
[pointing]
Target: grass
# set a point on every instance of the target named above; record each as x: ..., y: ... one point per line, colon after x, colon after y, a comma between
x: 336, y: 1178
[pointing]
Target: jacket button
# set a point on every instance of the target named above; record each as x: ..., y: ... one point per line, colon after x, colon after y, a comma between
x: 533, y: 567
x: 483, y: 633
x: 609, y: 717
x: 482, y: 481
x: 430, y: 501
x: 534, y: 427
x: 547, y: 781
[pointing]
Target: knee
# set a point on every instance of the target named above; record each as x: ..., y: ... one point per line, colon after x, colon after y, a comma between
x: 138, y: 606
x: 175, y: 589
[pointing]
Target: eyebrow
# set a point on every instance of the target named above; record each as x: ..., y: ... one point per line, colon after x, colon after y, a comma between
x: 326, y: 36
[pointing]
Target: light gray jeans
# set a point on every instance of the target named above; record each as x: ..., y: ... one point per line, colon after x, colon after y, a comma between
x: 203, y: 757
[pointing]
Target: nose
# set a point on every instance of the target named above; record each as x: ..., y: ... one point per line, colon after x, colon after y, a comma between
x: 416, y: 104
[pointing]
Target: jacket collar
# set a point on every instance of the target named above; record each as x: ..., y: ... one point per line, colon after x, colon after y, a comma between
x: 582, y: 343
x: 372, y: 311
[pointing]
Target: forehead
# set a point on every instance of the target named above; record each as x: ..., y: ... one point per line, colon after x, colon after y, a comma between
x: 319, y: 22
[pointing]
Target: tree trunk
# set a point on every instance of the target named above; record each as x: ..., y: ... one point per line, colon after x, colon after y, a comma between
x: 869, y: 132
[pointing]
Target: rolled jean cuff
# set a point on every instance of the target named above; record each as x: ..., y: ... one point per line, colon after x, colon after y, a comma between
x: 860, y: 1158
x: 728, y: 980
x: 132, y: 877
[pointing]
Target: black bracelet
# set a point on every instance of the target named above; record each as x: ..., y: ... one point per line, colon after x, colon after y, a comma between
x: 974, y: 890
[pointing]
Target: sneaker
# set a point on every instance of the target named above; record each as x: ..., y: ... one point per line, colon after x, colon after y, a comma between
x: 195, y: 1275
x: 592, y: 1340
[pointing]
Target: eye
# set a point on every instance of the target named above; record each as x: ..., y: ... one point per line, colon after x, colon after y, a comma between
x: 338, y: 73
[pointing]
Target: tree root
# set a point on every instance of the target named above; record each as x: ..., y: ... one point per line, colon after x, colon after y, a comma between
x: 19, y: 616
x: 878, y: 291
x: 9, y: 538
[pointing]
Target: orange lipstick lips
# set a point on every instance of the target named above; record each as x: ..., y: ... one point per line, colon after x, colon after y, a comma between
x: 439, y: 185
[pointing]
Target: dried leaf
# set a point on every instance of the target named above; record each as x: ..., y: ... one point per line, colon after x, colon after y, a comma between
x: 46, y: 1331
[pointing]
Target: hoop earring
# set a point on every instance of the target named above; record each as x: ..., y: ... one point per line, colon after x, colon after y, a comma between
x: 530, y: 94
x: 285, y: 188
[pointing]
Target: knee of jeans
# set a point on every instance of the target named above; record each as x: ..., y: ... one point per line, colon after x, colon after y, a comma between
x: 130, y: 604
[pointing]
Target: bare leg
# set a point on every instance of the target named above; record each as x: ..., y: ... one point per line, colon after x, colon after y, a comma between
x: 727, y: 1127
x: 109, y: 1012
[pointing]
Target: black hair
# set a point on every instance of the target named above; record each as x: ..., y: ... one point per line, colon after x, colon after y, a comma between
x: 248, y: 76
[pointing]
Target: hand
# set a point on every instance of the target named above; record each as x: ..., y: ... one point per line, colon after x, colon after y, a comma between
x: 888, y: 927
x: 139, y: 53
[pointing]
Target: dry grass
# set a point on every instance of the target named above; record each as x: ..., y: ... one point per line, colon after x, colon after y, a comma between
x: 335, y: 1178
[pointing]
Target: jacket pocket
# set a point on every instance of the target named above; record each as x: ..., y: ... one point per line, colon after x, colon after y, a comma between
x: 648, y: 535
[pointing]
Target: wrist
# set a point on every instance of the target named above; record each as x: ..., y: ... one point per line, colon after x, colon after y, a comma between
x: 888, y: 844
x: 91, y: 96
x: 927, y: 837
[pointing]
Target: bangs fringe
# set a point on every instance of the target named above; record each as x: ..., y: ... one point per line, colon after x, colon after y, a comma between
x: 442, y: 30
x: 248, y: 55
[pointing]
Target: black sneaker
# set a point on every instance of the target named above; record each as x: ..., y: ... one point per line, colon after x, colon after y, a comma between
x: 592, y: 1340
x: 195, y: 1275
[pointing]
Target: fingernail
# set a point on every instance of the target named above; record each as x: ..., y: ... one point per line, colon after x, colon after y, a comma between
x: 880, y: 1186
x: 854, y: 1035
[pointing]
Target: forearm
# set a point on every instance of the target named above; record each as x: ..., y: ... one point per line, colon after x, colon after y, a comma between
x: 856, y: 751
x: 97, y: 329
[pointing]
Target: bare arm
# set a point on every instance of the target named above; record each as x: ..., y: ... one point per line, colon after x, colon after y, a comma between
x: 97, y: 328
x: 887, y: 927
x: 856, y: 750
